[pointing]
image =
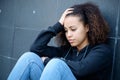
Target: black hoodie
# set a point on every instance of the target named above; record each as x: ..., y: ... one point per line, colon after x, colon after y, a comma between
x: 92, y: 62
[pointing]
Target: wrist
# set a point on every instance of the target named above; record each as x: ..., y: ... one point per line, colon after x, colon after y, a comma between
x: 58, y: 27
x: 60, y: 22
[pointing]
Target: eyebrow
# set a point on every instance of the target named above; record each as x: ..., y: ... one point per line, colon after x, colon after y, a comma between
x: 69, y: 27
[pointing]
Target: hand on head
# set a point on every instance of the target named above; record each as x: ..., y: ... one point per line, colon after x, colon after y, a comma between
x: 67, y: 11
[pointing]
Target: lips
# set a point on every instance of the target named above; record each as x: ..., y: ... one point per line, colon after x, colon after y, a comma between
x: 70, y: 40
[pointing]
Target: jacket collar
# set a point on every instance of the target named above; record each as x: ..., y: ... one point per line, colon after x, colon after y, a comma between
x: 83, y: 51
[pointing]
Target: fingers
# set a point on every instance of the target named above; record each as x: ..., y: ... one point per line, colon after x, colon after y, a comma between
x: 67, y: 11
x: 43, y: 58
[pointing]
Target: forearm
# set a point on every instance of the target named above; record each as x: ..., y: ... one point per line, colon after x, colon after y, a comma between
x: 44, y: 37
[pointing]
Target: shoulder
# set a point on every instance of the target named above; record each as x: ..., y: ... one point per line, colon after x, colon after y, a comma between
x: 102, y: 49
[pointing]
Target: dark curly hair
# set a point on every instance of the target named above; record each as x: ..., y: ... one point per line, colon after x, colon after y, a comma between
x: 89, y: 14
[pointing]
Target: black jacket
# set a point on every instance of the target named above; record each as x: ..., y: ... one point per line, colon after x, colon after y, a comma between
x: 92, y: 62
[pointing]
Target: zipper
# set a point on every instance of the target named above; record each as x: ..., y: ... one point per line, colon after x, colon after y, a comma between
x: 67, y: 53
x: 77, y: 54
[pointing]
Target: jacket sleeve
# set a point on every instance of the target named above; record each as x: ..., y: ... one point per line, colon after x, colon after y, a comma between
x: 40, y: 46
x: 98, y: 58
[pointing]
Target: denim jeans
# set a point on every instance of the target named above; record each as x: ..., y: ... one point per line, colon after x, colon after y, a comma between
x: 31, y: 67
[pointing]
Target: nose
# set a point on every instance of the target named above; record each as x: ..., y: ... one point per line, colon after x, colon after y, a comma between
x: 69, y: 34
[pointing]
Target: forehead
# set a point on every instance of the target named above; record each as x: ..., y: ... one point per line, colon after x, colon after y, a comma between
x: 72, y: 20
x: 73, y: 17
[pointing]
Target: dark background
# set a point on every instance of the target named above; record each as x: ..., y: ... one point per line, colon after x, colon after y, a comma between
x: 22, y: 20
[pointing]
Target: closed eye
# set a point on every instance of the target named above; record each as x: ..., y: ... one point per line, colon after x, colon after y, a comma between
x: 73, y: 29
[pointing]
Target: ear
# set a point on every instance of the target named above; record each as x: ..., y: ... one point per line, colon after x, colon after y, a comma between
x: 87, y: 27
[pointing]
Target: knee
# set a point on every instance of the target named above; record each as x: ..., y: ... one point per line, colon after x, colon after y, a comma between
x: 56, y: 65
x: 29, y: 55
x: 56, y: 62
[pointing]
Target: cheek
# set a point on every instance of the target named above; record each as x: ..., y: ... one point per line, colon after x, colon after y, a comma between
x: 80, y: 35
x: 66, y: 35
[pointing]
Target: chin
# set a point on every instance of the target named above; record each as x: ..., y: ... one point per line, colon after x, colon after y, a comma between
x: 73, y: 45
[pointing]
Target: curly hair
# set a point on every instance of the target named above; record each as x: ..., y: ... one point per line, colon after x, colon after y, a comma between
x: 90, y: 14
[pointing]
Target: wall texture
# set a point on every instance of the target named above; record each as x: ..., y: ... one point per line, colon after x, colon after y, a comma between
x: 22, y: 20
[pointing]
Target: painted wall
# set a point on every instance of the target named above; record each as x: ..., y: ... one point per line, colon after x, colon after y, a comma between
x: 22, y: 20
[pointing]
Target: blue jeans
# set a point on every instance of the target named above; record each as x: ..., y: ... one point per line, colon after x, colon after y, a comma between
x: 30, y: 67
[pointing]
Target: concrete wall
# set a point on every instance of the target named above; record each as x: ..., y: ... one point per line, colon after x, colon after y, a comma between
x: 22, y: 20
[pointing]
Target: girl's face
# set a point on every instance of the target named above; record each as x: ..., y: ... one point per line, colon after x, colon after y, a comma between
x: 76, y: 32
